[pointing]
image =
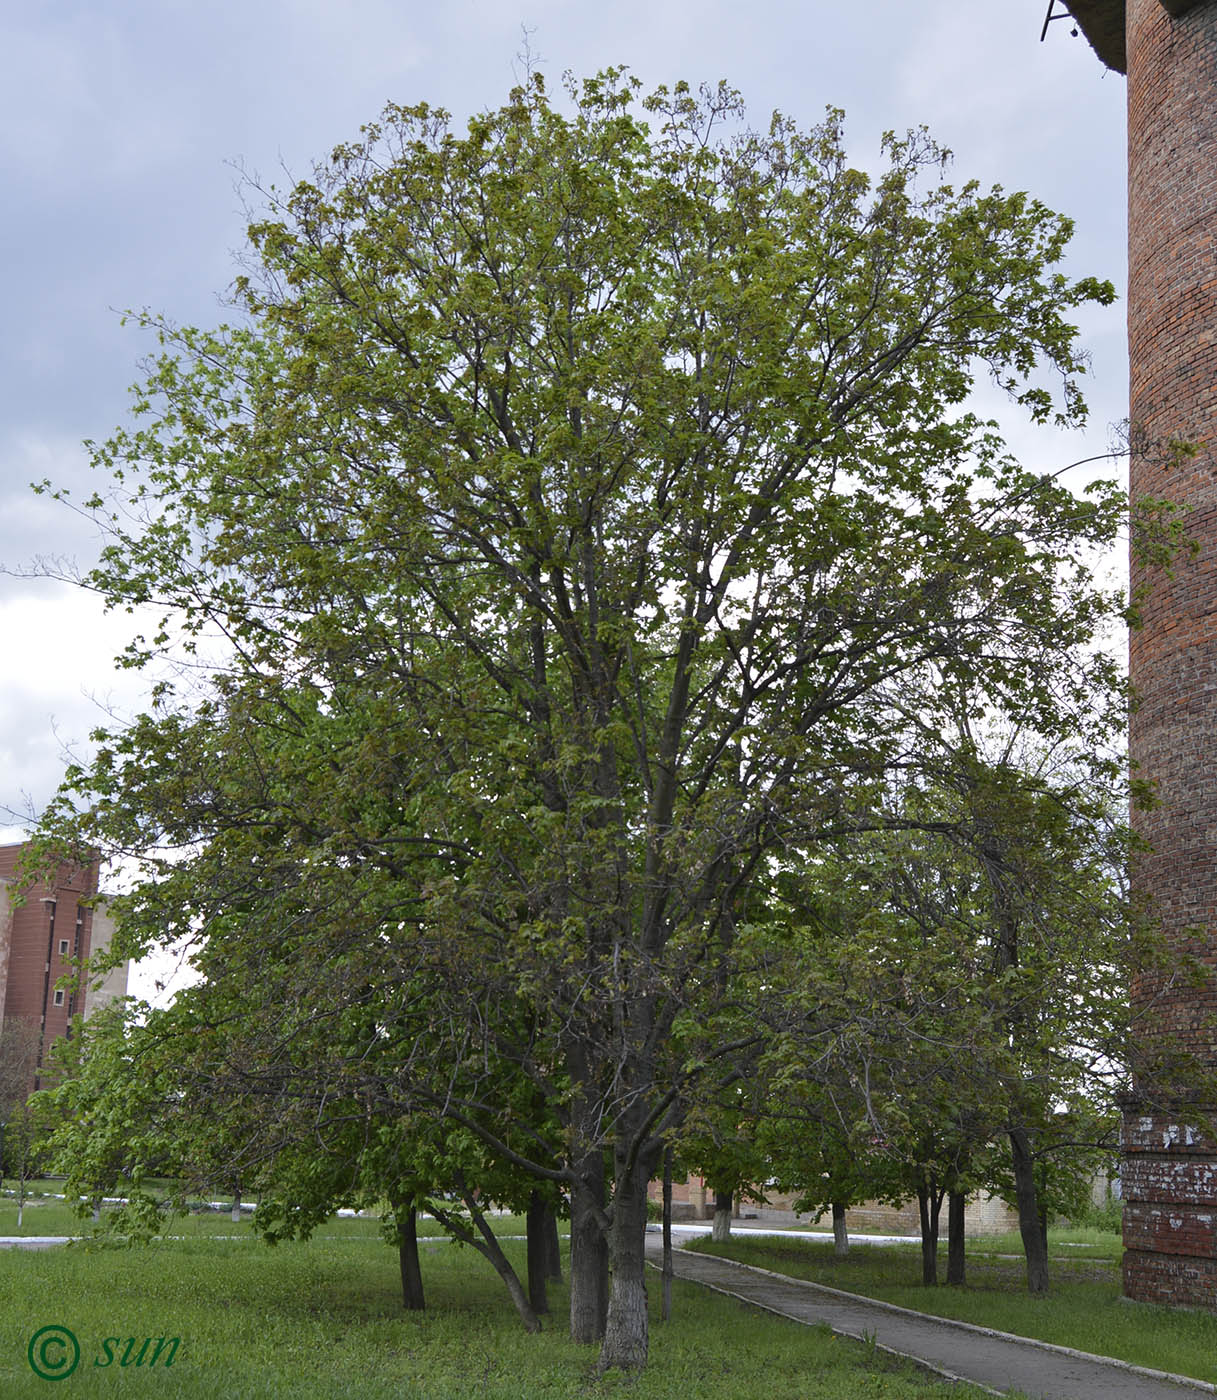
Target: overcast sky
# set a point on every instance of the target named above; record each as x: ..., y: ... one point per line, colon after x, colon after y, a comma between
x: 120, y: 125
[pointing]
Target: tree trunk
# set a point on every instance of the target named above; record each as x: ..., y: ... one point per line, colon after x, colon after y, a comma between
x: 666, y: 1310
x: 407, y: 1257
x: 721, y: 1229
x: 236, y: 1206
x: 1027, y: 1200
x: 489, y: 1248
x: 588, y: 1252
x: 625, y: 1332
x: 23, y: 1168
x: 929, y: 1202
x: 504, y: 1270
x: 538, y: 1253
x: 553, y: 1245
x: 956, y: 1263
x: 840, y: 1234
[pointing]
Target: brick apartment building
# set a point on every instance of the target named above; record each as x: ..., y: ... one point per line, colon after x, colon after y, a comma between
x: 41, y: 936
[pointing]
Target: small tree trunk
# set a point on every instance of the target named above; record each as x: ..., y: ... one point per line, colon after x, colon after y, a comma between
x: 625, y: 1332
x: 1026, y: 1198
x: 840, y: 1234
x: 929, y: 1202
x: 489, y: 1248
x: 956, y: 1264
x: 236, y: 1206
x: 588, y: 1252
x: 23, y: 1169
x: 666, y: 1309
x: 407, y: 1255
x: 538, y: 1250
x: 504, y: 1270
x: 721, y: 1229
x: 553, y: 1245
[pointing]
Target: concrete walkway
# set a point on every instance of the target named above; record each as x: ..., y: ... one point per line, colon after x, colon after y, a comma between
x: 996, y: 1361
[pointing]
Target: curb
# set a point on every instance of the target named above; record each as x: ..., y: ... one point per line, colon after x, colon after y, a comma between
x: 1207, y: 1387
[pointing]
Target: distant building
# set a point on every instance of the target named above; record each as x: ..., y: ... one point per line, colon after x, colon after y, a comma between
x: 692, y: 1199
x: 41, y: 937
x: 114, y: 984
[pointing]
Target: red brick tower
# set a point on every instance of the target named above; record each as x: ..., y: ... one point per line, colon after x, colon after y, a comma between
x: 1169, y: 50
x: 39, y: 941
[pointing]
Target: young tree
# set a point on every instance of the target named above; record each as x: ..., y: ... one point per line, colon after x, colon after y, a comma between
x: 204, y: 1093
x: 719, y: 1142
x: 601, y: 474
x: 18, y: 1062
x: 983, y: 955
x: 19, y: 1045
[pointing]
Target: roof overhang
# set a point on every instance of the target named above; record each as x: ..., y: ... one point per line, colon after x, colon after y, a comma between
x: 1102, y: 21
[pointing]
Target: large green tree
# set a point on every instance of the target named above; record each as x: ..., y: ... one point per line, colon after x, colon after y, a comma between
x: 571, y: 498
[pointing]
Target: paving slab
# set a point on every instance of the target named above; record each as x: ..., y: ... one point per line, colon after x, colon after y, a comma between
x: 998, y: 1362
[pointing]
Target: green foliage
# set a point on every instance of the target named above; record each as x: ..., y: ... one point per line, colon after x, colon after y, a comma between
x: 1107, y: 1217
x: 979, y: 959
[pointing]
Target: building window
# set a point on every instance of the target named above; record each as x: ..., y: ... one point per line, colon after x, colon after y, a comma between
x: 63, y: 947
x: 59, y: 996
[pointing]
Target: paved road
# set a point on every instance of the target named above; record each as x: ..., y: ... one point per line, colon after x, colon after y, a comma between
x: 996, y: 1361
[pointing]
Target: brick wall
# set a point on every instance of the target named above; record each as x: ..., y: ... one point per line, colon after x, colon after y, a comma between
x: 44, y: 934
x: 1170, y: 1176
x: 5, y: 937
x: 1169, y: 1184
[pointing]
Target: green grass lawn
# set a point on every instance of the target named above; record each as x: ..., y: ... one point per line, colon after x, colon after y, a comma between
x: 323, y: 1319
x: 1083, y: 1310
x: 1064, y: 1244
